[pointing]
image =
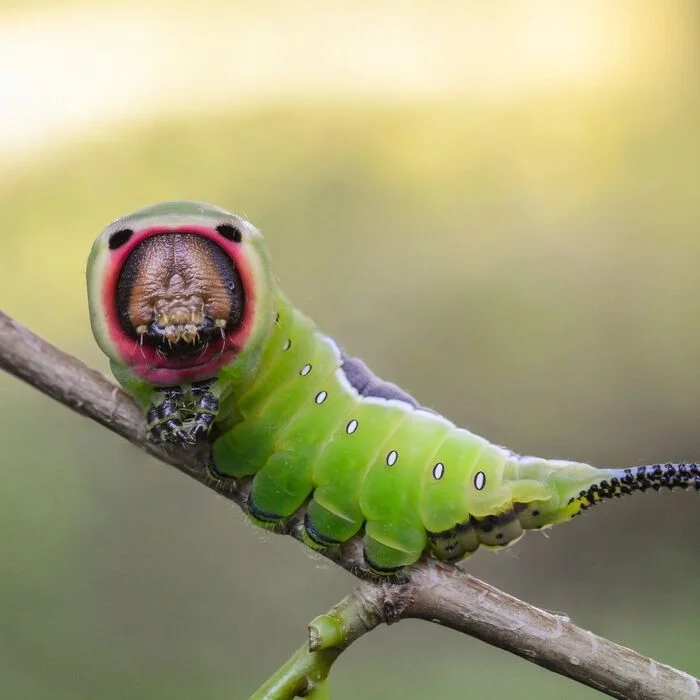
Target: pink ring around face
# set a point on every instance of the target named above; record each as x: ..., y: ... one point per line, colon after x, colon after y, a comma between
x: 144, y: 360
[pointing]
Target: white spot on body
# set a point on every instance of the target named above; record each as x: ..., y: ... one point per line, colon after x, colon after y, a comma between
x: 391, y: 458
x: 321, y: 397
x: 351, y: 427
x: 438, y: 471
x: 305, y: 370
x: 287, y: 344
x: 479, y: 481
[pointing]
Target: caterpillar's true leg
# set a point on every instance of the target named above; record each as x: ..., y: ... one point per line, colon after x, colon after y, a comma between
x: 164, y: 417
x: 206, y: 406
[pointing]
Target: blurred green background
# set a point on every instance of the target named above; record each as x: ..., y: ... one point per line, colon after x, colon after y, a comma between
x: 496, y: 206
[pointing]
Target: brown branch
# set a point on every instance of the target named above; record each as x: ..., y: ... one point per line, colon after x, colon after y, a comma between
x: 435, y: 593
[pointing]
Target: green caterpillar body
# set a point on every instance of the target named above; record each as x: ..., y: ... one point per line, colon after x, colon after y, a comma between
x: 183, y: 301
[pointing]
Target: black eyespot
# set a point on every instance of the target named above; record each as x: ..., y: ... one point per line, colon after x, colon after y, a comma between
x: 230, y: 233
x: 119, y: 238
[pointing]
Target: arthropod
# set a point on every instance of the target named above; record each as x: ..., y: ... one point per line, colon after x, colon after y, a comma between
x: 184, y: 303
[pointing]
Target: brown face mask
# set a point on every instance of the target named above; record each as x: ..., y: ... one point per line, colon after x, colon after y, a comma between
x: 178, y: 292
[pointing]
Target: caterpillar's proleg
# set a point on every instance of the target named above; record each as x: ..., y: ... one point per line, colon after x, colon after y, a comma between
x: 454, y: 544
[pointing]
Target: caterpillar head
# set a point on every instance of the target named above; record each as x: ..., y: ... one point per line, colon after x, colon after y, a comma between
x: 178, y: 290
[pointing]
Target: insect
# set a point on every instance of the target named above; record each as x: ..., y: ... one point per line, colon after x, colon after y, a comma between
x: 184, y: 303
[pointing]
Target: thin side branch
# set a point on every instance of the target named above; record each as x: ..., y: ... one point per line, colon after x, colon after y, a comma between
x: 306, y: 672
x: 435, y: 593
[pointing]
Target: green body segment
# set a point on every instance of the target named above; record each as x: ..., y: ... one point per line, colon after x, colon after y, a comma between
x: 310, y: 439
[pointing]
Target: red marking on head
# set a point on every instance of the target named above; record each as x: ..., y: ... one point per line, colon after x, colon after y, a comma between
x: 144, y: 360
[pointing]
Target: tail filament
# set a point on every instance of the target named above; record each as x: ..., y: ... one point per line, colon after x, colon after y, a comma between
x: 654, y: 476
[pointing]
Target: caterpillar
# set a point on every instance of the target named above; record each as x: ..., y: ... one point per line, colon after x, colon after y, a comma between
x: 184, y: 304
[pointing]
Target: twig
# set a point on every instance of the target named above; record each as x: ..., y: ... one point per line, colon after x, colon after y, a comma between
x: 306, y: 672
x: 435, y: 593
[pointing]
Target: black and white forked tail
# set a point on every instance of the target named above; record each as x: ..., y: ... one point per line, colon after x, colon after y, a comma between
x: 621, y: 482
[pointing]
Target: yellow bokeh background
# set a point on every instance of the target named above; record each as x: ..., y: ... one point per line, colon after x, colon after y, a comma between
x: 496, y: 205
